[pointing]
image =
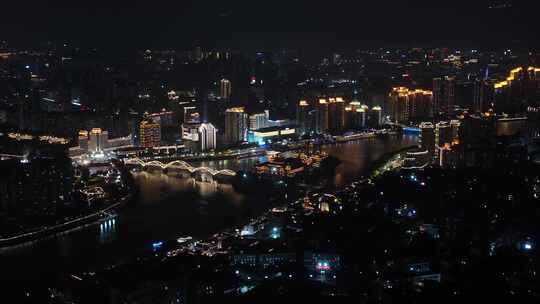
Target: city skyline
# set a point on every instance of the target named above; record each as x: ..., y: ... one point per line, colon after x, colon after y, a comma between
x: 214, y: 152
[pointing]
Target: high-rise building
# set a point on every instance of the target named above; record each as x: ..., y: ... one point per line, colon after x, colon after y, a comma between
x: 225, y: 88
x: 336, y: 114
x: 258, y: 121
x: 450, y: 95
x: 362, y: 117
x: 207, y: 136
x: 438, y: 95
x: 444, y: 135
x: 321, y: 124
x: 406, y: 104
x: 97, y: 140
x: 376, y: 116
x: 355, y: 116
x: 236, y: 125
x: 199, y: 137
x: 520, y: 90
x: 478, y: 140
x: 427, y: 138
x: 455, y: 125
x: 478, y: 105
x: 444, y: 95
x: 164, y: 118
x: 150, y: 134
x: 302, y: 110
x: 83, y: 140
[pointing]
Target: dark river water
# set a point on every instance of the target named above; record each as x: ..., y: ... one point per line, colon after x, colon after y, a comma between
x: 169, y: 207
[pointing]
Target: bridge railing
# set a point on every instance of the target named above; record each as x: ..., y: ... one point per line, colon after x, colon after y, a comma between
x: 178, y: 164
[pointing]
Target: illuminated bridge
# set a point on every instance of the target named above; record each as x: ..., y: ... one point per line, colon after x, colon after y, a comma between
x: 179, y: 165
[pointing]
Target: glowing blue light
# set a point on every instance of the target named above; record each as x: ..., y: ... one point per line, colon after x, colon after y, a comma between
x: 527, y: 246
x: 274, y: 229
x: 411, y: 130
x: 157, y: 245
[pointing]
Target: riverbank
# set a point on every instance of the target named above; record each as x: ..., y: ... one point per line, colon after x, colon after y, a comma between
x: 63, y: 227
x: 379, y: 166
x: 168, y: 207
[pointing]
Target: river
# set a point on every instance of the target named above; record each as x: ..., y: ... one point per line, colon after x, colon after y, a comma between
x: 169, y: 207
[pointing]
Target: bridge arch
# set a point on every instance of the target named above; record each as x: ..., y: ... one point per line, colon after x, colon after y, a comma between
x: 180, y: 164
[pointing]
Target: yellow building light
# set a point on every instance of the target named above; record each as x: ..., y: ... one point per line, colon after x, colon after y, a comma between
x: 235, y: 110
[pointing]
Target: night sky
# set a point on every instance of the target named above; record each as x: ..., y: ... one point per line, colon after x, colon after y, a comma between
x: 269, y: 24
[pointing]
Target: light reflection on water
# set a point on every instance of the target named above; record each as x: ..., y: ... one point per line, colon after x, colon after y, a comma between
x: 170, y: 207
x: 107, y: 230
x: 156, y: 186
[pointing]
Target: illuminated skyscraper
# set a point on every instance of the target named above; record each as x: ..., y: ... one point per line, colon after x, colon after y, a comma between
x: 376, y: 116
x: 258, y: 121
x: 444, y: 95
x: 225, y: 88
x: 321, y: 124
x: 336, y: 114
x: 83, y: 140
x: 302, y: 110
x: 150, y: 134
x: 399, y: 104
x: 406, y: 104
x: 479, y: 96
x: 236, y: 125
x: 450, y: 95
x: 427, y: 138
x: 199, y: 137
x: 355, y: 116
x: 97, y: 140
x: 520, y: 90
x: 444, y: 135
x: 362, y: 117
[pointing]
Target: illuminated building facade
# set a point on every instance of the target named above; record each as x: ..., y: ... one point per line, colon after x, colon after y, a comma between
x: 258, y: 120
x: 265, y: 134
x: 417, y: 159
x: 97, y: 140
x: 406, y: 104
x: 427, y: 138
x: 376, y: 117
x: 336, y: 114
x: 520, y: 90
x: 164, y: 118
x: 83, y: 140
x: 480, y: 96
x: 225, y: 88
x: 356, y: 116
x: 444, y: 134
x: 302, y: 119
x: 321, y: 123
x: 236, y: 125
x: 150, y: 134
x: 199, y: 137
